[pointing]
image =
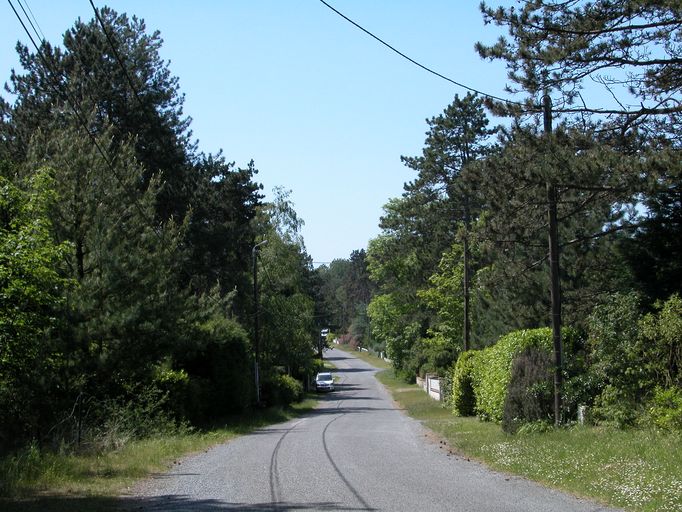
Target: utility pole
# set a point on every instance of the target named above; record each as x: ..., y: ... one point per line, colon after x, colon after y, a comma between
x: 555, y: 286
x: 256, y: 326
x: 467, y: 312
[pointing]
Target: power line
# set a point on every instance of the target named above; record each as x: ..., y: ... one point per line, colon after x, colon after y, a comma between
x: 116, y: 54
x: 42, y: 36
x: 74, y: 107
x: 422, y: 66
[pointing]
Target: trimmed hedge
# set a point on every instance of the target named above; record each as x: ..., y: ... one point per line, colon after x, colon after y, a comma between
x: 463, y: 399
x: 491, y: 367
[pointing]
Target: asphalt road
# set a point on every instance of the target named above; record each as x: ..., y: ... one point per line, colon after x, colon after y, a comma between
x: 355, y: 452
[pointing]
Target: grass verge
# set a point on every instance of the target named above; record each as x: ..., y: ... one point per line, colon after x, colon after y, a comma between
x: 637, y: 470
x: 365, y: 356
x: 51, y: 482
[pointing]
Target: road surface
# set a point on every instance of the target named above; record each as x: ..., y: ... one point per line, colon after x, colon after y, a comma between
x: 355, y: 452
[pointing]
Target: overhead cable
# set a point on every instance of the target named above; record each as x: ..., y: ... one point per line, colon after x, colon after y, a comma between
x: 422, y: 66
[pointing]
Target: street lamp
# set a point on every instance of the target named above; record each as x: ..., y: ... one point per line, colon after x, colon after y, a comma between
x: 255, y: 318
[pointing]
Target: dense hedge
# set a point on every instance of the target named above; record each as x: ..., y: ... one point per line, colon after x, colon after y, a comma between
x: 530, y: 393
x: 488, y: 371
x: 492, y: 369
x: 462, y: 398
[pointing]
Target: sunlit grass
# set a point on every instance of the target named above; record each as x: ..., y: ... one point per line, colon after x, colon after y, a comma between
x: 365, y: 356
x: 633, y: 469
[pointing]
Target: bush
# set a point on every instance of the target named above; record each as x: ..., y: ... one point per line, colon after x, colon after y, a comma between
x: 142, y: 414
x: 616, y: 358
x: 492, y: 369
x: 282, y: 390
x: 634, y: 357
x: 24, y: 465
x: 661, y: 342
x: 462, y: 398
x: 665, y: 409
x: 493, y: 365
x: 218, y: 368
x: 530, y: 394
x: 175, y: 384
x: 614, y: 407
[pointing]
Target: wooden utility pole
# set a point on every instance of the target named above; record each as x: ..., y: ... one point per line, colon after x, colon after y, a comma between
x: 555, y: 286
x: 467, y: 312
x: 256, y: 324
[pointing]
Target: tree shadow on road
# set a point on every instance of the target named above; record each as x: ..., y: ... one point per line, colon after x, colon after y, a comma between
x: 169, y: 503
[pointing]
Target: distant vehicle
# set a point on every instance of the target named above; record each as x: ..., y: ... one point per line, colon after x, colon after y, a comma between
x: 324, y: 382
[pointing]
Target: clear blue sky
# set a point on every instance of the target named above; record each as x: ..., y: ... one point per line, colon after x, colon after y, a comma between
x: 324, y: 110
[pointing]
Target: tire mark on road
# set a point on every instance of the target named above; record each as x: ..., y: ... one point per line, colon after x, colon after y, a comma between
x: 275, y: 486
x: 338, y: 471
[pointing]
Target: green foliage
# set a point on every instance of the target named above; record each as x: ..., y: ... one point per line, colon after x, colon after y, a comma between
x: 661, y: 343
x: 282, y: 389
x: 513, y: 234
x: 664, y: 411
x: 289, y: 334
x: 120, y: 420
x: 561, y: 46
x: 654, y: 252
x: 492, y: 370
x: 493, y: 367
x: 433, y: 355
x: 31, y: 300
x: 216, y: 358
x: 535, y: 427
x: 220, y: 227
x: 391, y: 326
x: 150, y: 269
x: 633, y: 355
x: 530, y: 393
x: 344, y: 292
x: 463, y: 399
x: 615, y: 407
x: 445, y: 294
x: 613, y: 331
x: 89, y: 70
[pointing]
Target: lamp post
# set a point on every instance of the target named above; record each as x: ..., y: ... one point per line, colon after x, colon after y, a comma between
x: 256, y: 326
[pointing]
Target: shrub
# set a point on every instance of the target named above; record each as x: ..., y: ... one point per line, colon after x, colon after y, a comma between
x: 665, y: 409
x: 462, y: 397
x: 633, y: 356
x: 535, y: 427
x: 615, y: 355
x: 493, y: 365
x: 530, y: 394
x: 614, y: 407
x: 175, y: 384
x: 282, y: 390
x: 492, y: 369
x: 142, y: 414
x: 661, y: 342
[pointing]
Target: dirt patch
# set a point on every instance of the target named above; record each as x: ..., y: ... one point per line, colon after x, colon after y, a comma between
x: 442, y: 443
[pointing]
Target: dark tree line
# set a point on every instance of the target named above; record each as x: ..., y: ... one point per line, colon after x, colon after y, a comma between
x: 126, y: 259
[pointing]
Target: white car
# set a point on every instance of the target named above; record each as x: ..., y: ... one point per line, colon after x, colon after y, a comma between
x: 324, y: 382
